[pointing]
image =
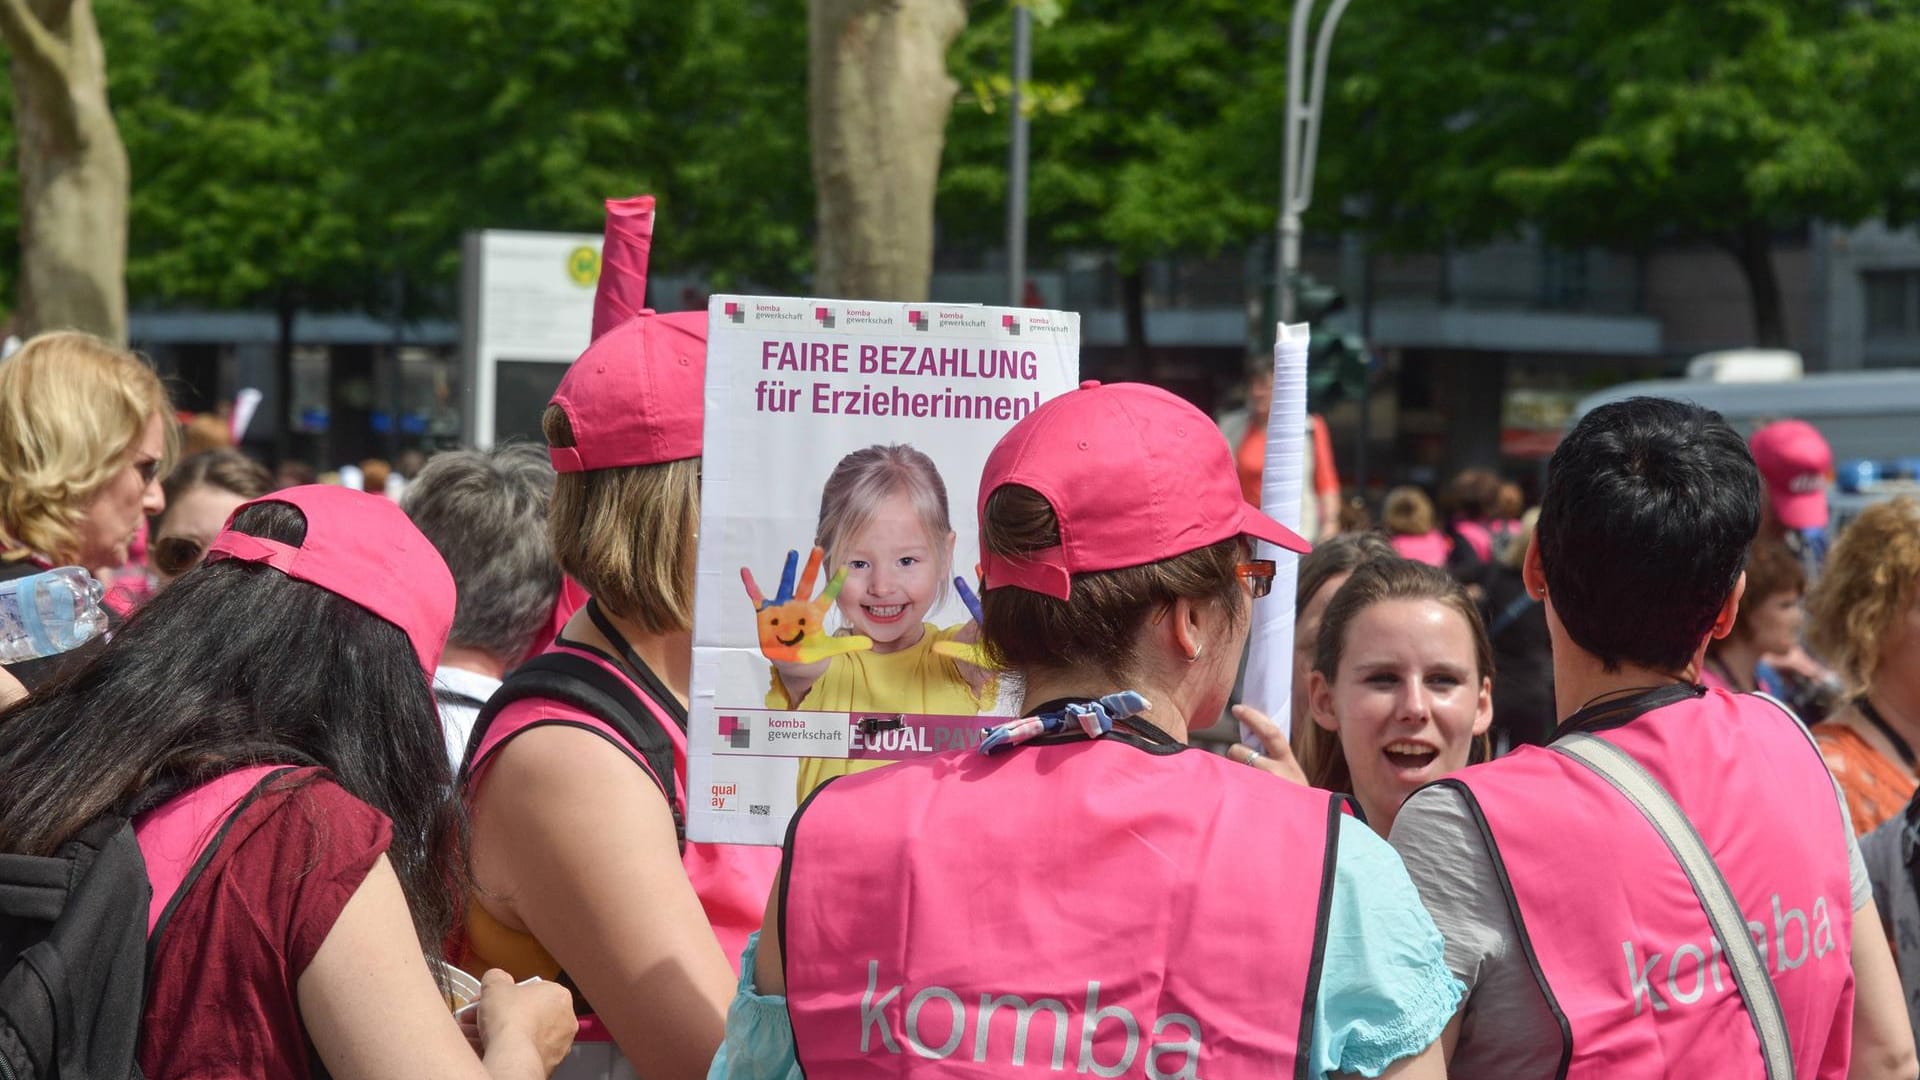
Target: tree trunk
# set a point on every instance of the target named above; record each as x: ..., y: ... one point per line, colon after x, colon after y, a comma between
x: 73, y: 171
x: 878, y: 99
x: 1752, y: 248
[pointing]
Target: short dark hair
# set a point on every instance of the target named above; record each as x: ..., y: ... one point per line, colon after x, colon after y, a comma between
x: 485, y: 511
x: 1644, y: 526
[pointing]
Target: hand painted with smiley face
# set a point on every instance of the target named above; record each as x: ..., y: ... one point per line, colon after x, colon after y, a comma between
x: 792, y: 627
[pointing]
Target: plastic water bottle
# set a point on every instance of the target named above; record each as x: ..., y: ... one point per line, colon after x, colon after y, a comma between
x: 48, y: 613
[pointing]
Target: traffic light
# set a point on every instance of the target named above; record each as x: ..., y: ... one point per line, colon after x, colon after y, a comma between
x: 1338, y: 362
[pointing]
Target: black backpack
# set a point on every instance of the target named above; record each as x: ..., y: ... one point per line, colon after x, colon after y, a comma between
x: 75, y: 954
x: 582, y: 684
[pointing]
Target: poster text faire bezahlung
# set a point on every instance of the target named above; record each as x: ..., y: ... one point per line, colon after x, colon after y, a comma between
x: 777, y: 395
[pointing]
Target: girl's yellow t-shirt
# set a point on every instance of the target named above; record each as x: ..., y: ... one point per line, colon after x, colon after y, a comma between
x: 913, y: 680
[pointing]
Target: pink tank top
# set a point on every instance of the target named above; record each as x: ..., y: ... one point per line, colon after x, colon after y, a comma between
x: 1069, y: 907
x: 1620, y: 944
x: 174, y: 835
x: 731, y: 880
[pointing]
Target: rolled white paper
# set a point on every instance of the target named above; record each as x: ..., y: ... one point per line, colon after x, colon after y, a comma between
x: 245, y: 404
x: 1269, y: 682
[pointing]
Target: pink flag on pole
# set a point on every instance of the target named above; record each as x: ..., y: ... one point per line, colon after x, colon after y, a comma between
x: 622, y: 292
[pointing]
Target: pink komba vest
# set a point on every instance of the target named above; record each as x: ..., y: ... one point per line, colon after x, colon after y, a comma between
x: 731, y: 880
x: 174, y: 835
x: 1068, y: 907
x: 1619, y: 943
x: 1429, y: 547
x: 1477, y: 536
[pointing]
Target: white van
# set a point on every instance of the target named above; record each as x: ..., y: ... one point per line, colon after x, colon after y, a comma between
x: 1870, y: 415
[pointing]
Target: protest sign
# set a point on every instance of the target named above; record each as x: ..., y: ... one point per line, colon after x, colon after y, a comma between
x: 1268, y: 685
x: 843, y: 448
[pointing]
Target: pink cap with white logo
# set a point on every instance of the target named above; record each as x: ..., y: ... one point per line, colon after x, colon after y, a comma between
x: 1797, y: 465
x: 1134, y: 474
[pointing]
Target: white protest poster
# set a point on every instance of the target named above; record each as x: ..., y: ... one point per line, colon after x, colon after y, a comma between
x: 1268, y: 685
x: 843, y: 448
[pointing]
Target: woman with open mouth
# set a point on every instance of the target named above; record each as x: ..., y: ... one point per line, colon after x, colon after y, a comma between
x: 1403, y: 675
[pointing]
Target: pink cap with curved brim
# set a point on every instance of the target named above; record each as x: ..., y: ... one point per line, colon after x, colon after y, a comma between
x: 361, y: 547
x: 622, y: 291
x: 1134, y: 475
x: 1796, y: 463
x: 635, y: 396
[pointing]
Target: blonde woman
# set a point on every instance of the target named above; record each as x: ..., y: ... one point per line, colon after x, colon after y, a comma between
x: 582, y: 870
x: 1408, y: 517
x: 1866, y: 623
x: 85, y: 439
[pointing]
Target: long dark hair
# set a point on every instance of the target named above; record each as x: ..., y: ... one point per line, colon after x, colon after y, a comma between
x: 237, y: 664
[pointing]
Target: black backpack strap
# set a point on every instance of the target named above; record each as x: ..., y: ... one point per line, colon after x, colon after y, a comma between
x: 206, y: 857
x: 445, y: 696
x: 580, y: 683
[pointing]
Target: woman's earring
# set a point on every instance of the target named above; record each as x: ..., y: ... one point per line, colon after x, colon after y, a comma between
x: 1196, y: 654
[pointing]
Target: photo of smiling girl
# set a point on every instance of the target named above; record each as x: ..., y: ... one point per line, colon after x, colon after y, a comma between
x: 888, y: 543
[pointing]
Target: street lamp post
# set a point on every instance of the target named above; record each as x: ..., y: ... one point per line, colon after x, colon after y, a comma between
x: 1017, y: 157
x: 1302, y: 141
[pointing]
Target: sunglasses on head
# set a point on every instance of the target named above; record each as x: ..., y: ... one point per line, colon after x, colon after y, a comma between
x: 175, y: 555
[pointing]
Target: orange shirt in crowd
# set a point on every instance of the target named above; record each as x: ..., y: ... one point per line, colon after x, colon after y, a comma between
x: 1250, y: 460
x: 1876, y: 788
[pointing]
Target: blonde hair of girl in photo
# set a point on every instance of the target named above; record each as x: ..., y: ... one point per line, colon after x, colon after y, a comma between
x: 888, y: 542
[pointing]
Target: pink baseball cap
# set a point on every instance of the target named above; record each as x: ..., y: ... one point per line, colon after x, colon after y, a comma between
x: 361, y: 547
x: 1134, y: 475
x: 1797, y: 464
x: 635, y: 396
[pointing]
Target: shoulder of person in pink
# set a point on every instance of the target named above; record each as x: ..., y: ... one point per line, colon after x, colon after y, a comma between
x: 173, y: 835
x: 731, y: 880
x: 1477, y: 536
x: 1430, y: 548
x: 1633, y: 962
x: 893, y: 945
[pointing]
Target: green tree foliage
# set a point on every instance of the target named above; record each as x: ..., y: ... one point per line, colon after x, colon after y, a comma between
x: 525, y: 114
x: 241, y: 194
x: 316, y: 150
x: 1625, y: 122
x: 1153, y: 128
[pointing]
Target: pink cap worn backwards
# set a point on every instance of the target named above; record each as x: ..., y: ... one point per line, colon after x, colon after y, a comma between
x: 1796, y: 463
x: 635, y: 396
x: 363, y: 548
x: 1134, y: 474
